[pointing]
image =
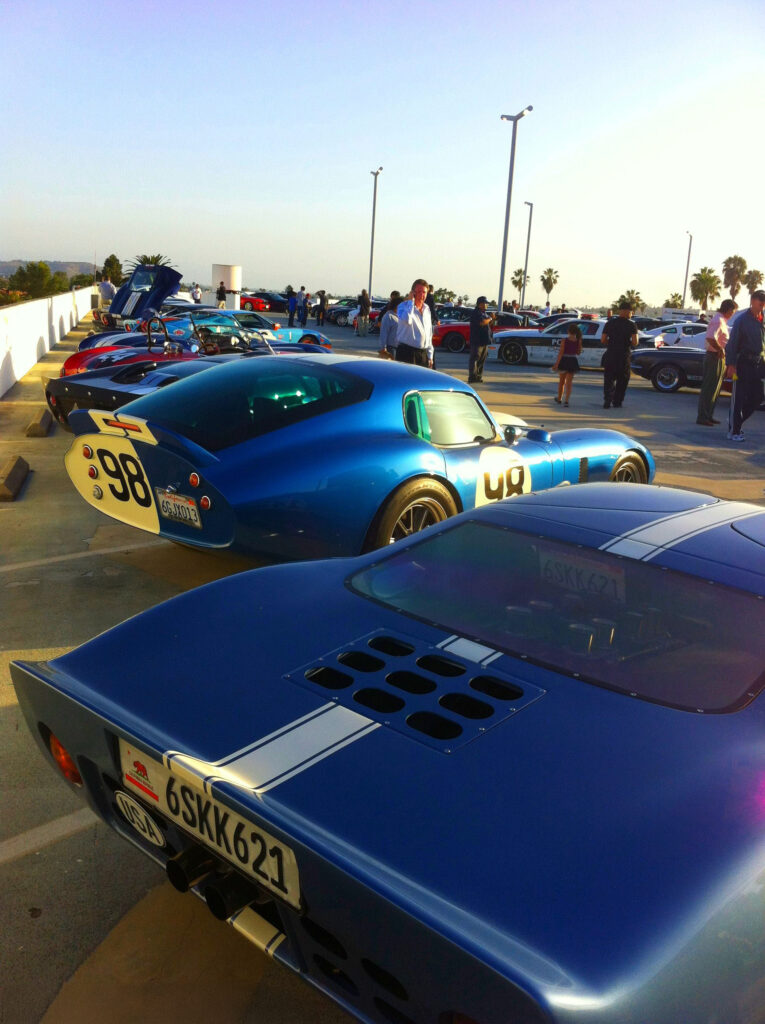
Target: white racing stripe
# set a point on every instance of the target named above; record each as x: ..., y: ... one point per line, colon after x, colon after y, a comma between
x: 281, y: 755
x: 647, y: 541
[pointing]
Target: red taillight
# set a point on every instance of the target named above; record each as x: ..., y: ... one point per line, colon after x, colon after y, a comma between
x: 52, y: 399
x: 194, y: 480
x: 87, y: 451
x: 64, y: 760
x: 205, y: 503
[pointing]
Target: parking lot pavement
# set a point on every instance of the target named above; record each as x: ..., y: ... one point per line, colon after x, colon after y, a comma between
x: 66, y: 574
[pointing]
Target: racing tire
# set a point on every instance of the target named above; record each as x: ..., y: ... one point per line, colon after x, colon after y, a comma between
x: 668, y: 377
x: 309, y: 339
x: 411, y: 508
x: 454, y: 342
x: 249, y: 305
x: 629, y: 469
x: 513, y: 353
x: 342, y: 320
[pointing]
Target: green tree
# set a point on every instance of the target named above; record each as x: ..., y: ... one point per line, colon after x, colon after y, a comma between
x: 705, y: 285
x: 753, y: 280
x: 60, y: 282
x: 518, y: 281
x: 549, y: 279
x: 158, y: 260
x: 35, y: 279
x: 113, y: 270
x: 444, y: 295
x: 734, y: 272
x: 632, y: 297
x: 81, y: 280
x: 675, y: 301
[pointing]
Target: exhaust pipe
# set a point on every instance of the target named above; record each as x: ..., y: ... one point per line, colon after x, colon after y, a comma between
x: 189, y: 868
x: 227, y: 895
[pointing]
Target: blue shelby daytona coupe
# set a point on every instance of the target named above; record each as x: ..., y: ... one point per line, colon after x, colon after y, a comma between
x: 512, y: 773
x: 320, y: 455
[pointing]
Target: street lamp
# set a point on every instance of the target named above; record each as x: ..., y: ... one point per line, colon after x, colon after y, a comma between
x: 515, y: 118
x: 526, y: 263
x: 372, y: 247
x: 688, y: 263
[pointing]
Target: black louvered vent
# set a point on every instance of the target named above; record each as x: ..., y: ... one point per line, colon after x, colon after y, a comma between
x: 426, y: 693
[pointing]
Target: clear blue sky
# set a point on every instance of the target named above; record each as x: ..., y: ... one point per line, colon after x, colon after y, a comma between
x: 244, y: 133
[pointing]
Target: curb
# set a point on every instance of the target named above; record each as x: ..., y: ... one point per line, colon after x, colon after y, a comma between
x: 40, y: 424
x: 12, y: 476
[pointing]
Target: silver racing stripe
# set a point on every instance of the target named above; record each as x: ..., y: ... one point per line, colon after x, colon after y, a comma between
x: 645, y: 542
x: 279, y: 756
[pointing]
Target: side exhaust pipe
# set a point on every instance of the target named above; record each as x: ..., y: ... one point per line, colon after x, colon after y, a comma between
x: 189, y: 868
x: 225, y: 896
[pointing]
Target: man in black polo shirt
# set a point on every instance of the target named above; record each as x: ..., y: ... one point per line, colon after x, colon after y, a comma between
x: 620, y: 335
x: 746, y: 353
x: 480, y: 336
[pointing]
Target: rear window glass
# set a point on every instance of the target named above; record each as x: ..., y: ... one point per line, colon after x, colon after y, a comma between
x: 231, y: 404
x: 647, y: 632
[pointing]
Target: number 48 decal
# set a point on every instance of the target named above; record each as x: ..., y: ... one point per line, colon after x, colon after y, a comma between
x: 125, y: 471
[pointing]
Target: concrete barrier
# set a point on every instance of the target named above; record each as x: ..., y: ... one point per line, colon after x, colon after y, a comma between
x: 30, y: 329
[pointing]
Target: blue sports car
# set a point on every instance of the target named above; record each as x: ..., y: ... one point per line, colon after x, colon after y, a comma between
x: 323, y: 455
x: 509, y: 770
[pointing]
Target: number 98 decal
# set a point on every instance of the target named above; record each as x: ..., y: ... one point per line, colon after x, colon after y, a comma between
x: 113, y: 480
x: 501, y: 474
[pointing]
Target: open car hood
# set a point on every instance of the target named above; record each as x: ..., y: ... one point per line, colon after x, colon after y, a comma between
x: 146, y: 289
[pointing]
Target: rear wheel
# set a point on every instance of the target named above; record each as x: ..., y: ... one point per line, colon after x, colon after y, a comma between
x: 512, y: 352
x: 629, y: 469
x: 454, y: 342
x: 249, y: 305
x: 412, y: 508
x: 309, y: 339
x: 668, y: 377
x: 342, y: 320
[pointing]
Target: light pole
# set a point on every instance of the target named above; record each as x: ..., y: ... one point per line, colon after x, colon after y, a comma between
x: 526, y: 262
x: 515, y: 118
x: 372, y: 247
x: 687, y: 264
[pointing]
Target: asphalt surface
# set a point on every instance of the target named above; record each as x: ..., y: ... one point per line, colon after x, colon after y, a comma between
x: 90, y: 929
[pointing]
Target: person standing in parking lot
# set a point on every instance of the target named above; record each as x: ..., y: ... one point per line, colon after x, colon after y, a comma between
x: 362, y: 319
x: 220, y: 295
x: 291, y: 308
x: 714, y: 363
x: 746, y: 353
x: 620, y: 336
x: 480, y: 338
x: 414, y: 334
x: 106, y: 292
x: 388, y: 326
x: 321, y: 311
x: 196, y: 294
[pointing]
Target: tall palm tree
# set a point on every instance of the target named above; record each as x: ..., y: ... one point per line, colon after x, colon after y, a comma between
x: 705, y: 285
x: 675, y: 301
x: 549, y: 279
x: 734, y: 271
x: 517, y: 281
x: 158, y: 260
x: 753, y: 280
x: 631, y: 296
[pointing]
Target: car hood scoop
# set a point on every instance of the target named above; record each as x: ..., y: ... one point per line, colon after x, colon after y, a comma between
x: 442, y: 696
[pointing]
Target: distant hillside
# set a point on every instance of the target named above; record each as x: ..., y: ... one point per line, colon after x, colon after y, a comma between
x: 8, y: 267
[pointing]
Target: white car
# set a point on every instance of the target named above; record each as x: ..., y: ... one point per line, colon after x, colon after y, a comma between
x: 690, y: 335
x: 541, y: 347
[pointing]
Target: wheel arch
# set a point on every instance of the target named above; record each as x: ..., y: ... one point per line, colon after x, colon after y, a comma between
x: 414, y: 478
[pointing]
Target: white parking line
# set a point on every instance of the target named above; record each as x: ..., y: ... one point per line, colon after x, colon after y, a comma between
x: 36, y: 838
x: 122, y: 548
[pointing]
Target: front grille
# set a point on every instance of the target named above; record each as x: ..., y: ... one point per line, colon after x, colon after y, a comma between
x: 437, y: 698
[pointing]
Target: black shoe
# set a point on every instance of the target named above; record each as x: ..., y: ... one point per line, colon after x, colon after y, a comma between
x: 705, y: 423
x: 617, y: 405
x: 606, y: 405
x: 713, y: 420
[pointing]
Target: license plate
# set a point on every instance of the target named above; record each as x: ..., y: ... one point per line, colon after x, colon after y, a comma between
x: 582, y: 575
x: 236, y: 839
x: 178, y: 507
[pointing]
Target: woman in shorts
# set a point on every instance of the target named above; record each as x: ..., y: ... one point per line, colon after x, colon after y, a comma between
x: 567, y: 363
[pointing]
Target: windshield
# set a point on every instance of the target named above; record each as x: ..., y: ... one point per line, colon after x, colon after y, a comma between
x: 647, y: 632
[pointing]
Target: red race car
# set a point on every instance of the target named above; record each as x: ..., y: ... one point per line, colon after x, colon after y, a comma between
x: 454, y: 335
x: 253, y: 302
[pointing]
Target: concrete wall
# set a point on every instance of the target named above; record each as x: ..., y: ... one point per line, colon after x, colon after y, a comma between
x: 30, y: 329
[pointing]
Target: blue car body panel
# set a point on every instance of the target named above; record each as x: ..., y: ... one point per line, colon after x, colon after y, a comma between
x: 144, y: 291
x: 575, y: 853
x: 314, y: 488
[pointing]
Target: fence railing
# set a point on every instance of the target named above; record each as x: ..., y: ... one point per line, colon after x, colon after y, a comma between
x: 30, y: 329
